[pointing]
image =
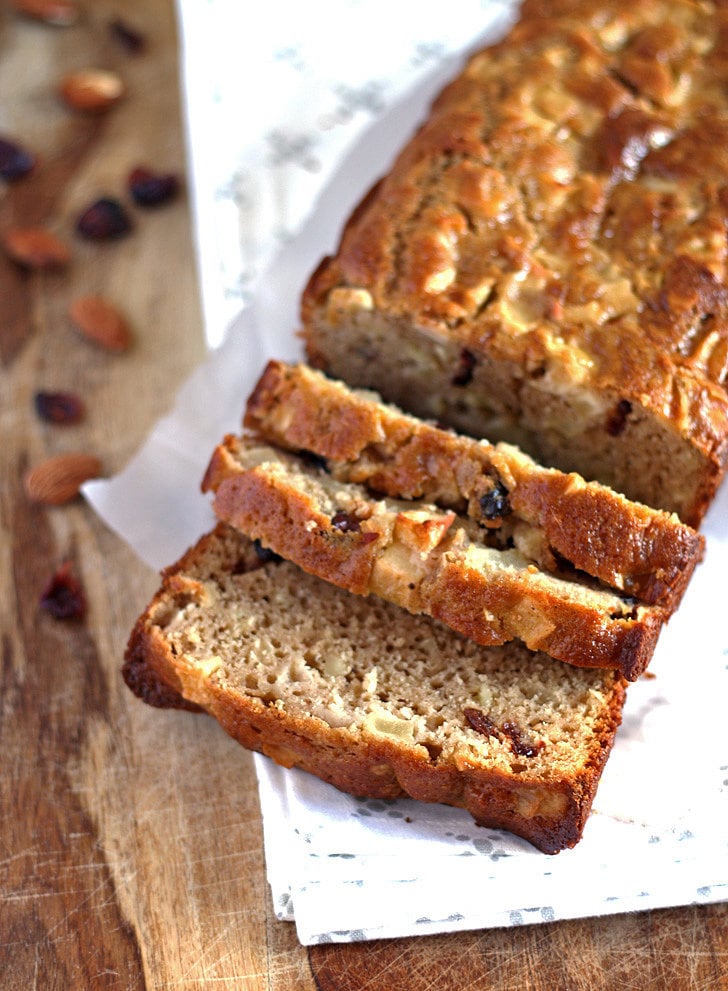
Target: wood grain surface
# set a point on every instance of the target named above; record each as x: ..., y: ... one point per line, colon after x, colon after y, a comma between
x: 130, y: 839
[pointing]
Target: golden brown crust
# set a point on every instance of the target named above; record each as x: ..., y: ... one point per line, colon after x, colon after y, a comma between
x: 562, y: 214
x: 578, y: 635
x: 149, y: 684
x: 550, y: 812
x: 647, y: 553
x: 422, y: 559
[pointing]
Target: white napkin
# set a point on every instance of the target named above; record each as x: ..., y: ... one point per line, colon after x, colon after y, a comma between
x: 289, y: 123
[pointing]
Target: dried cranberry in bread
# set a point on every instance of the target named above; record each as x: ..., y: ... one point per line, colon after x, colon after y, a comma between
x: 556, y: 517
x: 425, y: 559
x: 373, y: 700
x: 545, y: 262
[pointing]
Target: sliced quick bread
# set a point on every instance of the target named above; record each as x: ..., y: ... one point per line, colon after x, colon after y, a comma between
x: 559, y: 518
x: 426, y: 559
x: 375, y: 701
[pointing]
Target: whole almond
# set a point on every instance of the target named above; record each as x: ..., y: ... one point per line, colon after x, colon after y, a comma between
x: 60, y: 12
x: 58, y: 479
x: 101, y: 322
x: 91, y: 90
x: 35, y: 247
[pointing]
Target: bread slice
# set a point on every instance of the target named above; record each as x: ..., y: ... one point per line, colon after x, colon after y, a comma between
x: 545, y: 262
x: 556, y: 518
x: 375, y: 701
x: 425, y: 559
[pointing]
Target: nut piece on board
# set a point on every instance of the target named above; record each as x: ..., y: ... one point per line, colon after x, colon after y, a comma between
x: 101, y: 322
x: 35, y: 247
x: 91, y: 90
x: 58, y: 479
x: 62, y: 13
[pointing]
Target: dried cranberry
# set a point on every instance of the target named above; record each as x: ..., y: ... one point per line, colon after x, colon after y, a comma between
x: 345, y: 522
x: 152, y: 188
x: 481, y: 723
x: 15, y: 162
x: 519, y: 746
x: 265, y: 554
x: 495, y: 503
x: 464, y: 373
x: 128, y: 37
x: 617, y: 418
x: 59, y: 407
x: 103, y: 220
x: 314, y: 460
x: 63, y: 597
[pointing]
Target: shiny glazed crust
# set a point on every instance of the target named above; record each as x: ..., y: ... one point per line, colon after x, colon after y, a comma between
x: 646, y: 553
x: 546, y: 260
x: 425, y: 559
x: 548, y: 807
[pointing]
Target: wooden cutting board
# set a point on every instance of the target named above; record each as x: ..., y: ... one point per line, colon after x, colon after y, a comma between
x: 130, y: 841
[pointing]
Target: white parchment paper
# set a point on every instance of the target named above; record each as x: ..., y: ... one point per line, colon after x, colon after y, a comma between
x: 288, y: 126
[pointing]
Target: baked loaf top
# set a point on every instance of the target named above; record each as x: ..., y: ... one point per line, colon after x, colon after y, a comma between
x: 552, y: 516
x: 563, y: 209
x: 425, y: 559
x: 376, y: 701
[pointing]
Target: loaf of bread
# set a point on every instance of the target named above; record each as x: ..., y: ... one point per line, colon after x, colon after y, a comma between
x: 545, y: 262
x: 554, y: 518
x: 425, y: 559
x: 376, y: 701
